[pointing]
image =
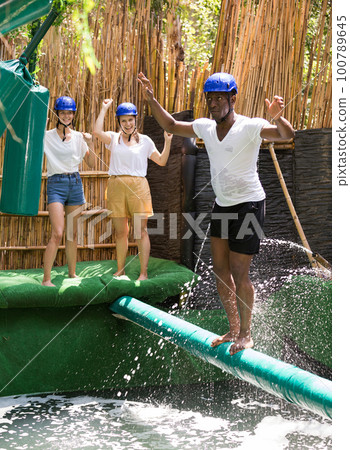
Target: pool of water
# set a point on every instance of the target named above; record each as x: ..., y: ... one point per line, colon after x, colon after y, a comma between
x: 223, y: 415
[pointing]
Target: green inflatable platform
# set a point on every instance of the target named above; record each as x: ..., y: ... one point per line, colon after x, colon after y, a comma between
x: 65, y: 339
x: 95, y: 284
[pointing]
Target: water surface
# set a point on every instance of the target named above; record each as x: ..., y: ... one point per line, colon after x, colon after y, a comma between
x: 222, y: 415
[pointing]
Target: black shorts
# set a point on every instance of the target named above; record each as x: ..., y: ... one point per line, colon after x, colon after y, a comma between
x: 241, y: 224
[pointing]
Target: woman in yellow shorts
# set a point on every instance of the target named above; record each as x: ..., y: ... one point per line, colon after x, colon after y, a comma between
x: 128, y: 194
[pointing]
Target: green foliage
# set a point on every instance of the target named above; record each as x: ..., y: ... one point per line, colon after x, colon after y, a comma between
x: 81, y: 21
x: 158, y: 5
x: 199, y: 21
x: 313, y: 27
x: 313, y: 23
x: 64, y: 8
x: 79, y: 11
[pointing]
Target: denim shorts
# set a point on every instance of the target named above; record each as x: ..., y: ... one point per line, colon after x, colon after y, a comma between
x: 240, y: 224
x: 66, y: 189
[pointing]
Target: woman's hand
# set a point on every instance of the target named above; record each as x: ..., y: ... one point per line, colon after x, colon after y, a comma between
x: 168, y: 137
x: 89, y: 157
x: 87, y: 138
x: 98, y: 127
x: 107, y: 103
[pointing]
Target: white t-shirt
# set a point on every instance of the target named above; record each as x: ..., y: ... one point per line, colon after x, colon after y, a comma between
x: 233, y: 161
x: 131, y: 160
x: 63, y: 156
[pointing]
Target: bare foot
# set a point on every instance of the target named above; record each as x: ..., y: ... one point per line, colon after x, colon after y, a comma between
x: 119, y: 273
x: 228, y: 337
x: 73, y: 276
x: 240, y: 344
x: 122, y: 277
x: 48, y: 283
x: 142, y: 277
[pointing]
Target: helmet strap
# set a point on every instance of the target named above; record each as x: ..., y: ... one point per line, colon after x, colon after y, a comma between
x: 225, y: 116
x: 64, y: 128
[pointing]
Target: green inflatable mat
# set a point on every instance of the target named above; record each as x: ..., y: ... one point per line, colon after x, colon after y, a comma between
x: 302, y: 311
x: 95, y: 284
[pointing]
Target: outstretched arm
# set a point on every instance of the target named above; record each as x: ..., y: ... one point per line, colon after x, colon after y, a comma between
x: 98, y: 128
x: 165, y: 120
x: 283, y: 130
x: 162, y: 158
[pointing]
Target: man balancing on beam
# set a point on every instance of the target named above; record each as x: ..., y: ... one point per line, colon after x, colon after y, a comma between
x: 232, y: 142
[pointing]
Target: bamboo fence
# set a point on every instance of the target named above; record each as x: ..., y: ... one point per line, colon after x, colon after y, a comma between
x: 262, y: 42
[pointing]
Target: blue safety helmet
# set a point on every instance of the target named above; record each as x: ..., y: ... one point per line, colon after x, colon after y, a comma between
x: 220, y: 82
x: 65, y: 104
x: 126, y: 109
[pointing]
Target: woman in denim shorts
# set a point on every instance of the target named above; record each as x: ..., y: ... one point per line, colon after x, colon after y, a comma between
x: 65, y: 149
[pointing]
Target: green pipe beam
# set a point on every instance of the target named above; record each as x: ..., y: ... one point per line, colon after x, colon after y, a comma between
x: 39, y: 35
x: 276, y: 377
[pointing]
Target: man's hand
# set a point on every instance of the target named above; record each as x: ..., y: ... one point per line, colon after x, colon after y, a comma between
x: 275, y: 109
x: 282, y: 130
x: 146, y: 85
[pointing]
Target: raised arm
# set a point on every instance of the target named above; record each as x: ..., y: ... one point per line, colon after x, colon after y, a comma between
x: 162, y: 158
x: 104, y: 136
x: 283, y: 130
x: 165, y: 120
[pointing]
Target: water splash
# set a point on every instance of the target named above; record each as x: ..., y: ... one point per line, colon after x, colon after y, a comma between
x: 324, y: 268
x: 291, y: 335
x: 278, y: 262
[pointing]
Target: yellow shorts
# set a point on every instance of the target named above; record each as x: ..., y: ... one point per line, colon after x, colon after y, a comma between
x: 127, y: 195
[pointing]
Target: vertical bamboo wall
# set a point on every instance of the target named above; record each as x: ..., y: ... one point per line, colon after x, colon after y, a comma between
x: 263, y: 43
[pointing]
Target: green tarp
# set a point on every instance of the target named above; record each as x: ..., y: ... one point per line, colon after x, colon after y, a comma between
x: 80, y: 349
x: 15, y: 13
x: 24, y: 152
x: 16, y: 83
